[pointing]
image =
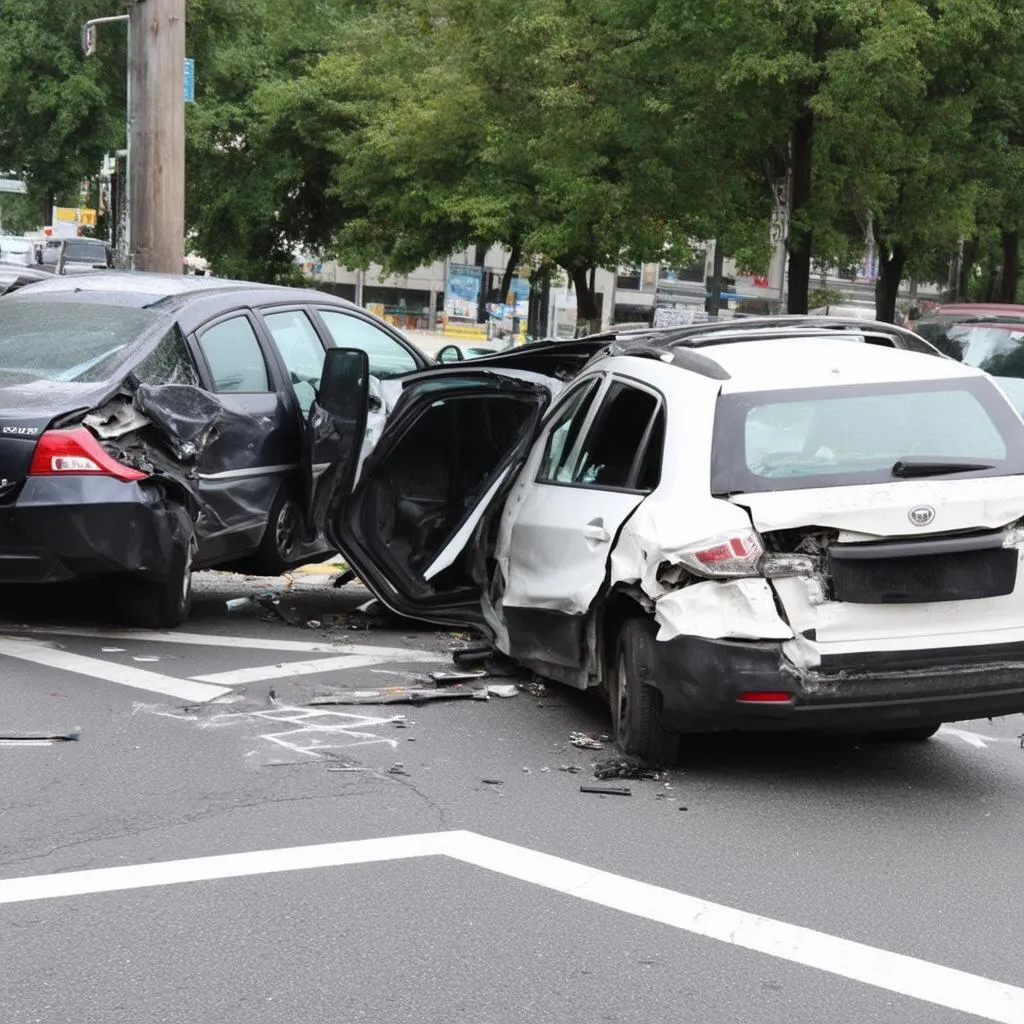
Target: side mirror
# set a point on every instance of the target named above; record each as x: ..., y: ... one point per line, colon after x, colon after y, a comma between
x: 345, y: 382
x: 450, y: 354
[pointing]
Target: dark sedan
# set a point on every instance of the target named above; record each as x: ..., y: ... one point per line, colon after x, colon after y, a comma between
x: 150, y: 425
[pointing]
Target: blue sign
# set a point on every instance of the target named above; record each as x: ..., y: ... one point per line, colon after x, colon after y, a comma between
x: 190, y: 80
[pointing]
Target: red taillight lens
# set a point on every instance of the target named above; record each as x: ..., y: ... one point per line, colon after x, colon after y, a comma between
x: 77, y: 453
x: 734, y: 554
x: 765, y: 697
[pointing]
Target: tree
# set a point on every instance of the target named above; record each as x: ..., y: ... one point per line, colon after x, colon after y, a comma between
x: 60, y: 111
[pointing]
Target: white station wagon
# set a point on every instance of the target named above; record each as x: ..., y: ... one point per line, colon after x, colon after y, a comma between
x: 750, y: 529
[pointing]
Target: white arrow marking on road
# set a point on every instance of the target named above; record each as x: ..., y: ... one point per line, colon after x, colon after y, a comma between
x: 905, y: 975
x: 972, y: 739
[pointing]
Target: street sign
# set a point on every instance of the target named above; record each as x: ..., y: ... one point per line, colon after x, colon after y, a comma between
x: 14, y: 186
x: 76, y: 215
x: 190, y: 80
x: 88, y: 39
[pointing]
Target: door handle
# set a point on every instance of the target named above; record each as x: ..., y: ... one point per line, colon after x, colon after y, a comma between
x: 595, y: 531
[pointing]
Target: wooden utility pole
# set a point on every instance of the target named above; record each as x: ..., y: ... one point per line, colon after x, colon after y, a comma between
x: 157, y: 172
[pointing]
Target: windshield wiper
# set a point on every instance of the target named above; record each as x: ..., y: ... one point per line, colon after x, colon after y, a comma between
x: 924, y: 465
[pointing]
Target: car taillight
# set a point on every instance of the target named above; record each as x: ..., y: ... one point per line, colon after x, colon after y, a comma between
x: 77, y: 453
x: 732, y: 554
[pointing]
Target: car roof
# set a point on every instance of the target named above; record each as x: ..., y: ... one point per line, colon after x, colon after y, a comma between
x: 170, y: 291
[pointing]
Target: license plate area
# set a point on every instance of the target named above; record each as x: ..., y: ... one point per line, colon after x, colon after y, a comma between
x: 918, y: 572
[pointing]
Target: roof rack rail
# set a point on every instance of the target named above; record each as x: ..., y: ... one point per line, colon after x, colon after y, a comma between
x: 684, y: 358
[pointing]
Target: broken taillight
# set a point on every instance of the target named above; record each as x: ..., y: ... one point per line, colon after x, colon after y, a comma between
x: 765, y: 697
x: 733, y: 554
x: 77, y: 453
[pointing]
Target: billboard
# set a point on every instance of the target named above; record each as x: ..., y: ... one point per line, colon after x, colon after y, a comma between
x: 462, y: 291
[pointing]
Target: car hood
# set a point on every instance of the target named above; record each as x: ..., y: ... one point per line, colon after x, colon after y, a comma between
x: 883, y: 510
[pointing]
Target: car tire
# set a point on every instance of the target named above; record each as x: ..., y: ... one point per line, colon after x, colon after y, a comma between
x: 160, y: 605
x: 634, y: 703
x: 912, y: 734
x: 283, y: 538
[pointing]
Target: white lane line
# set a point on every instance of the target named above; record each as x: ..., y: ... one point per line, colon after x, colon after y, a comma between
x: 40, y: 653
x: 246, y: 642
x: 909, y: 976
x: 260, y: 673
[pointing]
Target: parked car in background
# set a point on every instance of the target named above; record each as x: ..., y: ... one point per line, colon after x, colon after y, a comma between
x: 150, y: 425
x: 750, y: 530
x: 17, y: 249
x: 989, y: 336
x: 457, y: 352
x: 77, y: 254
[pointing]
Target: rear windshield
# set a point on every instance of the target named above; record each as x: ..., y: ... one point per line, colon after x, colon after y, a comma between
x: 66, y: 341
x: 829, y: 437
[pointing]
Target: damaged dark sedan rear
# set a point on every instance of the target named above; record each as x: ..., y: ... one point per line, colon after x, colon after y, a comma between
x: 150, y: 426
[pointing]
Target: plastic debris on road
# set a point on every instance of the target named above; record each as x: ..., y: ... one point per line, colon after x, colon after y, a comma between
x: 11, y: 739
x: 502, y: 690
x: 585, y: 742
x: 625, y: 768
x: 402, y: 695
x: 607, y: 790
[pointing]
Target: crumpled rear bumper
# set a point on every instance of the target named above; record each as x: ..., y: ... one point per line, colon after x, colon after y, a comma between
x: 78, y: 527
x: 702, y: 681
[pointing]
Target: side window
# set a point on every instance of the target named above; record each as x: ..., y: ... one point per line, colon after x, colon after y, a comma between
x: 301, y: 350
x: 649, y: 473
x: 169, y: 363
x: 233, y: 352
x: 616, y: 440
x: 387, y: 357
x: 565, y: 429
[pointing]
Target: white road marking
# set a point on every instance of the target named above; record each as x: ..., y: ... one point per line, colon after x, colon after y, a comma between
x: 972, y: 739
x: 909, y: 976
x: 41, y: 653
x: 284, y: 670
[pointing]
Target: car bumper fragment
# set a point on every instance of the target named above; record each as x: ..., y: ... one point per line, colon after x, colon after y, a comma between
x: 702, y: 681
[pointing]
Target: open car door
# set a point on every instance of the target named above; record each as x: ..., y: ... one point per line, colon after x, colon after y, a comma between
x: 416, y: 523
x: 335, y: 432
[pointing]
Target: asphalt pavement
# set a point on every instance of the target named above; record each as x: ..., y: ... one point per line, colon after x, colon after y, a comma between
x: 216, y: 848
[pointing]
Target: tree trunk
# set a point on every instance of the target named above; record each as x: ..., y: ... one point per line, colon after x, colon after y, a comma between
x: 890, y: 272
x: 48, y: 201
x: 966, y: 269
x: 801, y: 236
x: 1011, y: 267
x: 514, y: 256
x: 588, y: 316
x: 479, y: 260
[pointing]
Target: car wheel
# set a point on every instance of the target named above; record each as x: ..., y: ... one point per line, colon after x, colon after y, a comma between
x: 914, y: 734
x: 635, y: 704
x: 283, y: 539
x: 160, y: 605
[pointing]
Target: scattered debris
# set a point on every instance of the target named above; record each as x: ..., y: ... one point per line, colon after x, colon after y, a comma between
x: 626, y: 768
x: 145, y: 657
x: 349, y: 768
x: 444, y: 678
x: 314, y: 624
x: 607, y: 790
x: 526, y: 771
x: 472, y: 653
x: 402, y: 695
x: 534, y: 687
x: 272, y: 696
x: 236, y: 604
x: 545, y: 769
x: 572, y: 769
x: 113, y: 650
x: 684, y: 808
x: 39, y: 738
x: 502, y: 690
x: 585, y: 742
x: 397, y: 769
x: 493, y: 782
x: 344, y: 578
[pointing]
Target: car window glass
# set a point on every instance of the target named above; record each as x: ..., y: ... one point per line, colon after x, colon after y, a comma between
x: 387, y: 357
x: 611, y: 448
x: 301, y: 350
x: 169, y: 363
x: 649, y: 475
x: 563, y: 432
x: 234, y: 355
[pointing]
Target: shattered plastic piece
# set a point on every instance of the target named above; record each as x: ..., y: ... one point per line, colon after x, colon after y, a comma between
x: 684, y: 808
x: 502, y: 690
x: 456, y: 677
x: 493, y: 782
x: 42, y: 737
x: 625, y: 768
x: 397, y: 769
x: 113, y: 650
x: 607, y: 790
x: 585, y: 742
x: 314, y: 624
x: 572, y: 769
x: 346, y: 769
x: 145, y: 657
x: 527, y: 771
x: 534, y: 687
x: 402, y: 695
x: 237, y: 603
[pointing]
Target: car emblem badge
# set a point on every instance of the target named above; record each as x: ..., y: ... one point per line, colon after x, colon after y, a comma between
x: 921, y: 515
